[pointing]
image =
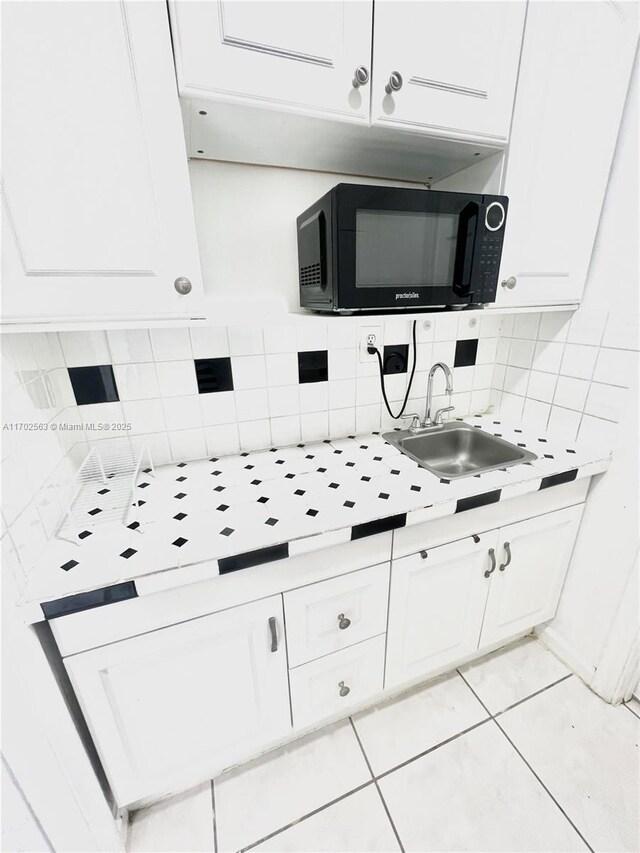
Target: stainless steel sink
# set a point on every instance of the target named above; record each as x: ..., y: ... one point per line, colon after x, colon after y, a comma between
x: 457, y: 450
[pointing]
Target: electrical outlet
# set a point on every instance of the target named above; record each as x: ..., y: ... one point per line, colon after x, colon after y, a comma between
x: 369, y: 336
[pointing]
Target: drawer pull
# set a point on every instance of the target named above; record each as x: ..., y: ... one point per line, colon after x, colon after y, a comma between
x: 476, y: 538
x: 343, y: 622
x: 274, y: 634
x: 424, y: 554
x: 344, y: 690
x: 507, y: 551
x: 492, y: 557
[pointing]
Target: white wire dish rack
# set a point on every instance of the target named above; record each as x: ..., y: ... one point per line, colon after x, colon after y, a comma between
x: 104, y: 487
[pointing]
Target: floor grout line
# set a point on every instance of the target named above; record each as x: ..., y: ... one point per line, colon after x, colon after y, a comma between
x: 384, y: 803
x: 537, y: 693
x: 635, y: 714
x: 215, y: 827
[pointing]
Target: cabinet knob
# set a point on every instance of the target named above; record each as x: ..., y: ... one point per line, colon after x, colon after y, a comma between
x: 344, y: 690
x: 394, y: 83
x: 510, y: 282
x: 424, y: 554
x: 361, y: 77
x: 507, y: 551
x: 182, y: 285
x: 492, y: 557
x: 343, y: 622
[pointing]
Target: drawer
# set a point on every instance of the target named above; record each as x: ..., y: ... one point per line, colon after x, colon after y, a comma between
x: 330, y: 615
x: 337, y: 682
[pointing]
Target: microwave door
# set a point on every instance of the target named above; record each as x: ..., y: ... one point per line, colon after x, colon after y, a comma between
x: 463, y: 260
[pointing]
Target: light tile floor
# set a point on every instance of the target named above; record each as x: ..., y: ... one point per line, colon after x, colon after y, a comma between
x: 512, y: 753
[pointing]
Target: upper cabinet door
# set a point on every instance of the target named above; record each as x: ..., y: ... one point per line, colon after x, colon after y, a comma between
x: 97, y: 214
x: 574, y: 75
x: 297, y: 56
x: 457, y: 65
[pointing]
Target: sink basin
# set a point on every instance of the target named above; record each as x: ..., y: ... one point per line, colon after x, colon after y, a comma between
x: 457, y: 450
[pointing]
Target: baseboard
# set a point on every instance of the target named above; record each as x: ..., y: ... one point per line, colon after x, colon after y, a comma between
x: 556, y: 643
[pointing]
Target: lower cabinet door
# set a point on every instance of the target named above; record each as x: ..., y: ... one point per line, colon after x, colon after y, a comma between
x: 337, y: 682
x: 170, y: 707
x: 436, y: 607
x: 533, y: 558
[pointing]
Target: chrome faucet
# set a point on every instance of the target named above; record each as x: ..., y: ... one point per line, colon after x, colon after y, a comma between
x: 436, y: 420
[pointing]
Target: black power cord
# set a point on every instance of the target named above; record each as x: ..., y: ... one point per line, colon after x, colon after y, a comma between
x: 376, y: 351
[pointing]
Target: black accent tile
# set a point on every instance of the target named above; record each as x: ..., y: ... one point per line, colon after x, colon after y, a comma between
x: 213, y: 374
x: 466, y: 352
x: 86, y: 533
x: 312, y: 512
x: 395, y: 358
x: 478, y: 500
x: 310, y: 456
x: 279, y: 461
x: 249, y: 467
x: 94, y: 511
x: 321, y: 470
x: 395, y: 471
x: 222, y: 508
x: 365, y: 479
x: 227, y: 531
x: 350, y: 464
x: 144, y: 485
x: 569, y: 450
x: 219, y: 488
x: 416, y: 488
x: 180, y: 516
x: 71, y: 564
x: 377, y: 458
x: 271, y: 522
x: 256, y: 482
x: 180, y: 541
x: 89, y: 600
x: 253, y: 558
x: 313, y: 366
x: 334, y: 485
x: 180, y: 495
x: 445, y: 482
x: 337, y: 452
x: 549, y: 456
x: 139, y: 503
x: 216, y: 473
x: 129, y: 552
x: 262, y: 500
x: 299, y: 492
x: 384, y: 496
x: 558, y: 479
x: 517, y: 430
x: 349, y: 504
x: 289, y: 476
x: 182, y: 465
x: 180, y: 479
x: 95, y: 384
x: 381, y: 525
x: 104, y: 491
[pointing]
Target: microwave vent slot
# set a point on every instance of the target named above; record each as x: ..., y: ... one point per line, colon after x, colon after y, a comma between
x: 311, y: 275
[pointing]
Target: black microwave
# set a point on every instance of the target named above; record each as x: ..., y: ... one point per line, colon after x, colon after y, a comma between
x: 370, y: 248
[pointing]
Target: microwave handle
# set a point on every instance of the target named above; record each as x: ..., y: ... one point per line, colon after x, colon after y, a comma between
x: 465, y: 243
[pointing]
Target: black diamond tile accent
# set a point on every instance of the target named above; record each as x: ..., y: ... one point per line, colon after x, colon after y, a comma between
x: 180, y: 479
x: 104, y: 491
x: 134, y: 525
x: 312, y: 512
x: 517, y: 430
x: 543, y: 440
x: 416, y: 488
x: 262, y: 499
x: 279, y: 461
x: 289, y: 476
x: 213, y: 459
x: 521, y: 444
x: 569, y: 450
x: 226, y: 531
x: 85, y: 533
x: 143, y: 485
x: 364, y: 447
x: 310, y: 456
x: 213, y: 375
x: 366, y: 479
x: 395, y: 471
x: 313, y: 366
x: 216, y: 473
x: 180, y: 495
x: 129, y: 552
x: 244, y: 453
x: 69, y: 565
x: 384, y: 496
x: 445, y: 482
x: 377, y: 458
x: 249, y: 467
x: 299, y: 492
x: 184, y: 464
x: 180, y: 516
x: 222, y: 508
x: 180, y: 541
x: 219, y: 488
x: 95, y: 511
x: 141, y: 503
x: 337, y: 452
x: 498, y: 434
x: 350, y: 464
x: 148, y: 470
x: 334, y: 485
x: 466, y: 352
x: 256, y: 482
x: 350, y: 504
x: 321, y: 470
x: 271, y: 522
x: 95, y: 384
x: 548, y: 456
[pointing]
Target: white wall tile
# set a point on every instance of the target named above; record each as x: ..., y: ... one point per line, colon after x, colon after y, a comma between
x: 502, y: 350
x: 542, y: 386
x: 482, y: 376
x: 342, y: 363
x: 176, y: 378
x: 578, y: 361
x: 461, y: 404
x: 424, y: 357
x: 587, y: 326
x: 47, y: 351
x: 445, y: 327
x: 245, y: 340
x: 171, y: 344
x: 342, y: 422
x: 145, y: 416
x: 480, y: 401
x: 136, y: 381
x: 468, y: 327
x: 182, y: 412
x: 616, y: 367
x: 487, y: 350
x: 248, y: 372
x: 444, y: 351
x: 536, y: 414
x: 516, y: 380
x: 564, y: 421
x: 367, y: 390
x: 314, y: 426
x: 511, y: 406
x: 397, y: 330
x: 571, y: 393
x: 285, y: 430
x: 621, y: 331
x: 312, y: 335
x: 254, y: 435
x: 554, y: 326
x: 526, y: 326
x: 209, y: 342
x: 252, y: 405
x: 282, y: 368
x: 81, y: 349
x: 342, y: 333
x: 548, y: 356
x: 280, y: 339
x: 218, y: 408
x: 126, y: 345
x: 499, y: 373
x: 314, y: 397
x: 606, y: 401
x: 462, y: 379
x: 284, y: 400
x: 158, y: 446
x: 222, y: 440
x: 187, y: 444
x: 490, y: 325
x: 598, y: 432
x: 425, y: 329
x: 367, y: 418
x: 521, y: 353
x: 342, y: 393
x: 101, y: 413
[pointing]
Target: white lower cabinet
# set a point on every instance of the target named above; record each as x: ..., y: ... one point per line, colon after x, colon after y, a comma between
x: 533, y: 557
x: 436, y: 607
x: 330, y: 685
x: 170, y: 707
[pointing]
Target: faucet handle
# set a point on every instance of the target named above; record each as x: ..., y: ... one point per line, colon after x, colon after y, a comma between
x: 437, y: 420
x: 415, y: 422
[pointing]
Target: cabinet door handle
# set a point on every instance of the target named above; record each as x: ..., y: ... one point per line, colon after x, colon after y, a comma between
x: 343, y: 622
x: 361, y: 77
x: 492, y: 557
x: 394, y: 83
x: 507, y: 551
x: 274, y: 633
x: 344, y: 690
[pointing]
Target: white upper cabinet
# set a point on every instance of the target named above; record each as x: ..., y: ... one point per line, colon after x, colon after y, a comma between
x: 97, y: 215
x: 574, y: 75
x: 296, y: 56
x: 446, y: 67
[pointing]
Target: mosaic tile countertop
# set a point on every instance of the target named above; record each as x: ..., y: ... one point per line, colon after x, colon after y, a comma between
x: 211, y: 516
